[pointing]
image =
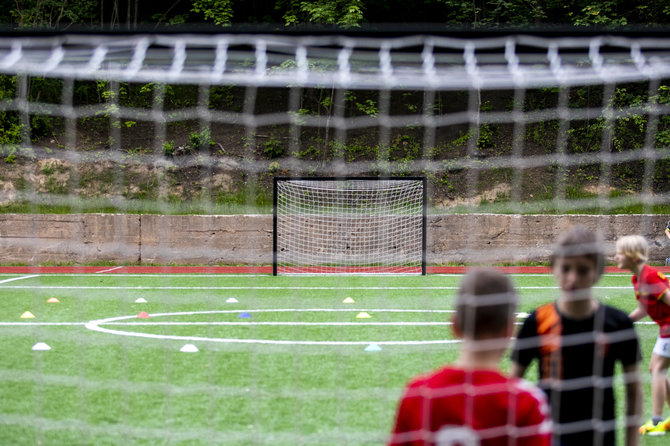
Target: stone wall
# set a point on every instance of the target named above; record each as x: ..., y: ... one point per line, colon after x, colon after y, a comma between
x: 247, y: 239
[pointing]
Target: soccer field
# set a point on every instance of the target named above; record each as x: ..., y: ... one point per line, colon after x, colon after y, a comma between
x: 285, y: 361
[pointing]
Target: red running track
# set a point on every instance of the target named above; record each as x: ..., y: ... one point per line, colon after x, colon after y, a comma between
x: 246, y: 269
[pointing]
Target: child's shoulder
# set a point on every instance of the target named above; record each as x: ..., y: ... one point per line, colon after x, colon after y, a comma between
x: 651, y: 274
x: 615, y: 317
x: 455, y: 375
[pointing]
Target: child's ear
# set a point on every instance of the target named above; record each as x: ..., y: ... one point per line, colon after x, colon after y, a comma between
x: 510, y: 328
x: 455, y: 328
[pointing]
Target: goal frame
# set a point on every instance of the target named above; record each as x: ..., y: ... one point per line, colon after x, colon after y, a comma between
x: 424, y: 199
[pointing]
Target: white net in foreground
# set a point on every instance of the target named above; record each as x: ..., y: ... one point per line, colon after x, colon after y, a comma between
x: 349, y: 225
x: 121, y: 132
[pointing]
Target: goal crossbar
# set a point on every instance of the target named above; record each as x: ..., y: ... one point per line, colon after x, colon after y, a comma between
x: 418, y: 61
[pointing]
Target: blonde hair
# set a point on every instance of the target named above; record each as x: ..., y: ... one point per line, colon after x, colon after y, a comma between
x: 633, y: 246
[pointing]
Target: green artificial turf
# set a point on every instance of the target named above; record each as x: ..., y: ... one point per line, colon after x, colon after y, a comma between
x: 95, y: 388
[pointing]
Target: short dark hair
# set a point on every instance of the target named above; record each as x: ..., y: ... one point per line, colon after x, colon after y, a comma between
x: 579, y: 241
x: 485, y: 304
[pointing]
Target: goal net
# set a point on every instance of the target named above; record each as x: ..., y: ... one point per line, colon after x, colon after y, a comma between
x: 163, y: 149
x: 349, y: 225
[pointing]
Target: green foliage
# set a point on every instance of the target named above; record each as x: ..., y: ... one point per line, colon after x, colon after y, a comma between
x: 541, y: 132
x: 11, y: 132
x: 168, y: 148
x: 487, y: 133
x: 176, y: 20
x: 661, y: 174
x: 587, y: 137
x: 51, y: 13
x: 10, y: 138
x: 55, y: 186
x: 345, y: 13
x: 221, y: 97
x: 201, y: 139
x: 405, y: 147
x: 10, y: 158
x: 600, y: 13
x: 366, y: 106
x: 48, y: 169
x: 309, y: 152
x: 460, y: 11
x: 140, y: 186
x: 218, y: 11
x: 273, y: 148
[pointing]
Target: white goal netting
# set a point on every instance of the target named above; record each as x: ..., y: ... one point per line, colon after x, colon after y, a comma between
x: 349, y: 226
x: 162, y: 149
x: 530, y: 124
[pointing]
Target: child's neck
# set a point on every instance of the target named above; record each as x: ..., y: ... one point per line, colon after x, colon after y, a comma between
x: 479, y: 359
x: 577, y: 308
x: 637, y: 268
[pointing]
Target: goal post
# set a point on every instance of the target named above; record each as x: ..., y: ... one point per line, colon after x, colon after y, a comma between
x: 356, y: 225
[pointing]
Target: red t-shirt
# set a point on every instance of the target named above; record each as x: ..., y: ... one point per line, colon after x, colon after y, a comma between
x: 648, y: 291
x: 471, y: 407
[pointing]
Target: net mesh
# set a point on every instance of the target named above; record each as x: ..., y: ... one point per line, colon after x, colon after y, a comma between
x: 153, y: 125
x: 532, y: 124
x: 350, y: 226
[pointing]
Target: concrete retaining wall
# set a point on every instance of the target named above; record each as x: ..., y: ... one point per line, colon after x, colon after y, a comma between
x: 247, y: 239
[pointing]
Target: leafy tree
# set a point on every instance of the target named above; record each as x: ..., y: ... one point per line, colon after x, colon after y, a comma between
x: 346, y: 13
x: 51, y: 13
x: 218, y: 11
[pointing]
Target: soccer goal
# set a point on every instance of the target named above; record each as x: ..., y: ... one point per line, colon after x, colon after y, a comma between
x: 349, y: 225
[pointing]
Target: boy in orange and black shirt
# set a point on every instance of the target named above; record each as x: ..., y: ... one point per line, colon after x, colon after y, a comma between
x: 577, y: 341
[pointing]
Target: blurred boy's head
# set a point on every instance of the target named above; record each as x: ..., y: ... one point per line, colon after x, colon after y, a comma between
x: 578, y: 260
x: 485, y: 305
x: 631, y: 249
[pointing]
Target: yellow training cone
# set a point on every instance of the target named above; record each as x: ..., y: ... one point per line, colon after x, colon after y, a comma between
x: 363, y: 315
x: 27, y: 315
x: 348, y: 300
x: 53, y: 300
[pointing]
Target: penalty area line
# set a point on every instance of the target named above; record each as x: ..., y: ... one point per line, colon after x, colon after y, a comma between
x: 19, y: 278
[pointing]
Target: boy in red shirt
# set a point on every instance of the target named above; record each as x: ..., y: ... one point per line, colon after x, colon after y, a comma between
x: 652, y: 291
x: 470, y: 401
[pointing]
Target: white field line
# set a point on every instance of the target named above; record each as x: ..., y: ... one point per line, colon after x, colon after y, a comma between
x: 19, y: 278
x: 73, y: 324
x: 45, y: 324
x: 225, y: 275
x: 307, y: 288
x: 152, y: 275
x: 96, y: 326
x: 171, y: 435
x: 192, y: 388
x: 285, y: 323
x: 108, y: 270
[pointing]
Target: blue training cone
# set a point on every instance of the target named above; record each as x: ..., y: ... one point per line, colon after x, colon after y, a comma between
x: 373, y: 348
x: 244, y: 314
